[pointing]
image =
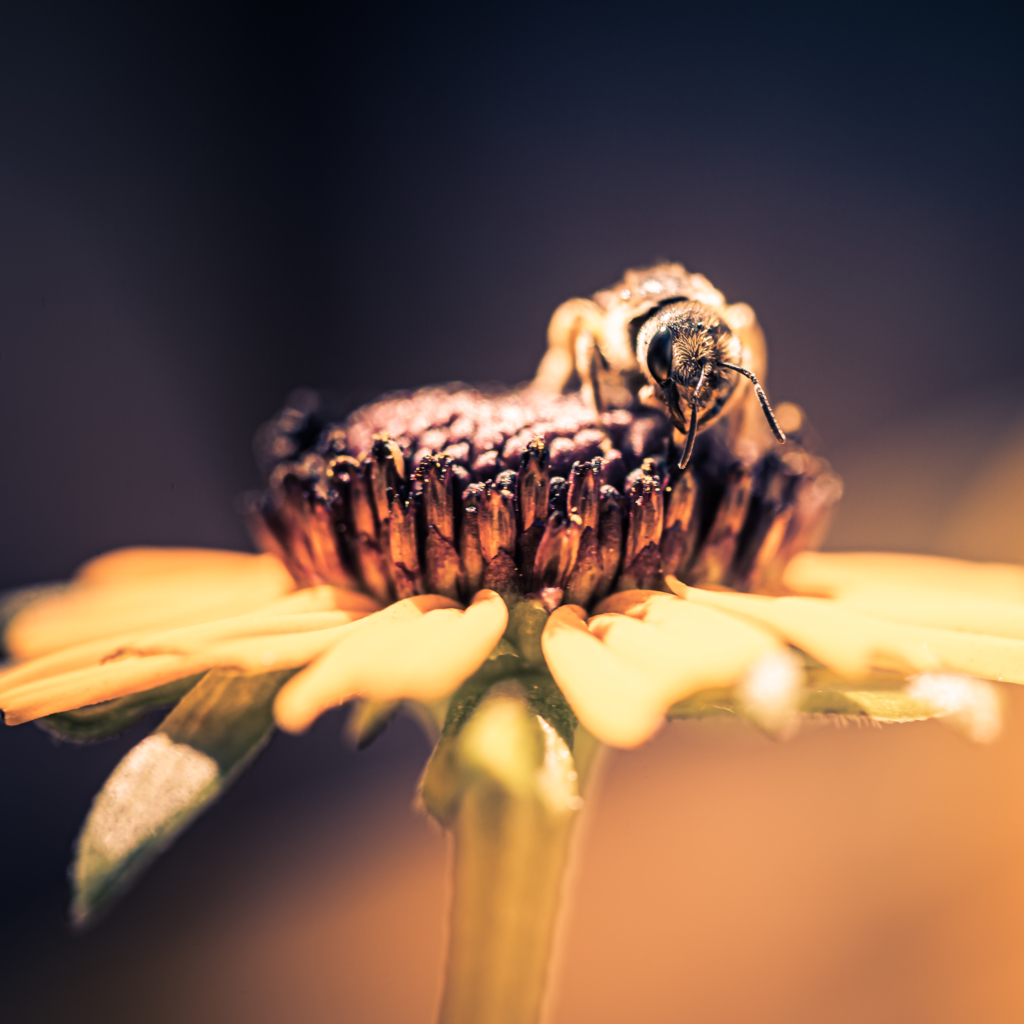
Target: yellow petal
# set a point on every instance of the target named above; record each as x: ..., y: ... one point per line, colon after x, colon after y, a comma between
x: 272, y: 653
x: 623, y: 670
x: 850, y: 643
x: 91, y: 652
x: 191, y: 639
x: 971, y: 654
x: 110, y: 607
x: 829, y: 574
x: 942, y: 609
x: 138, y: 562
x: 97, y: 683
x: 132, y: 672
x: 610, y: 696
x: 635, y: 602
x: 344, y: 606
x: 321, y: 598
x: 421, y: 648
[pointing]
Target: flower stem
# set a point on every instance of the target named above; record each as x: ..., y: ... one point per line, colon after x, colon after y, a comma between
x: 510, y: 857
x: 504, y: 781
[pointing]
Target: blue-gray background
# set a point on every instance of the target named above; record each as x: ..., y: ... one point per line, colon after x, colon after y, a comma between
x: 202, y: 207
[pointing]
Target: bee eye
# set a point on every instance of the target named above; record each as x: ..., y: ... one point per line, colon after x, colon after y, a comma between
x: 659, y: 356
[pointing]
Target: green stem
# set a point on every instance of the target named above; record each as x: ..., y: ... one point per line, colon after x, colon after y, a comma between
x: 504, y: 781
x: 510, y: 858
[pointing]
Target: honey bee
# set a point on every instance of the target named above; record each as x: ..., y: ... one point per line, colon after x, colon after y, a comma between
x: 668, y: 338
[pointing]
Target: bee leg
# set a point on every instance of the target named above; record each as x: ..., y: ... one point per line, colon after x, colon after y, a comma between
x: 691, y: 437
x: 589, y: 363
x: 695, y: 404
x: 572, y: 319
x: 686, y: 431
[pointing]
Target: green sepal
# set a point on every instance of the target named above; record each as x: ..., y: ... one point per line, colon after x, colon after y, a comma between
x: 367, y: 720
x: 705, y: 704
x: 441, y: 784
x: 526, y: 621
x: 511, y: 759
x: 169, y: 778
x: 101, y: 721
x: 886, y: 706
x: 881, y: 704
x: 517, y: 655
x: 879, y: 696
x: 541, y: 692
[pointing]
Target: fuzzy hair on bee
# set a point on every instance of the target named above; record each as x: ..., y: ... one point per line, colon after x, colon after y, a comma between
x: 666, y: 337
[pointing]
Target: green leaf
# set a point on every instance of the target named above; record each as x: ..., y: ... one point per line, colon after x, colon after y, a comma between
x: 101, y: 721
x: 165, y: 781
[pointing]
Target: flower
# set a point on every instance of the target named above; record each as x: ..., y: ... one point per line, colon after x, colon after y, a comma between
x: 527, y: 575
x: 539, y: 500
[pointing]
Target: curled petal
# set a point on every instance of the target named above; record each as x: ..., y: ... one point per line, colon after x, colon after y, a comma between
x: 421, y: 648
x: 833, y: 574
x: 621, y: 672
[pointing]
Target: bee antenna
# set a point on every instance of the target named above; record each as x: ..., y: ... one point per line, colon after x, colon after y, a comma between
x: 691, y: 434
x: 762, y: 398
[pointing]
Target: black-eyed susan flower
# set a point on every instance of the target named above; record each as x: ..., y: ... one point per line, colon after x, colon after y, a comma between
x: 533, y: 580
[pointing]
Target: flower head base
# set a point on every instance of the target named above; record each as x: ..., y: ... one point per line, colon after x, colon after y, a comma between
x: 448, y: 491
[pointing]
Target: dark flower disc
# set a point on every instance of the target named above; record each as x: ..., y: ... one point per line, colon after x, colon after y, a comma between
x: 449, y: 490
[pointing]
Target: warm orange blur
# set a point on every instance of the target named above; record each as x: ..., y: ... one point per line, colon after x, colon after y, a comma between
x: 850, y: 875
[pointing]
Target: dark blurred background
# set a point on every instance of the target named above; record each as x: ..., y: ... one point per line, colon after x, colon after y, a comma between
x: 203, y: 206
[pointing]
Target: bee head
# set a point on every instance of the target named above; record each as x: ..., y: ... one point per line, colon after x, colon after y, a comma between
x: 689, y: 352
x: 681, y: 349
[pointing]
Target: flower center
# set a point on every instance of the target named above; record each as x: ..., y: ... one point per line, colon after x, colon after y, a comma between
x: 449, y: 491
